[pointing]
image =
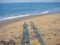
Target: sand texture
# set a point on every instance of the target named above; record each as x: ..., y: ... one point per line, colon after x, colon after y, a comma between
x: 36, y: 30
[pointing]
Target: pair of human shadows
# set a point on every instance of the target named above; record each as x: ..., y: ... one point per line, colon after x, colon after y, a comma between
x: 26, y: 38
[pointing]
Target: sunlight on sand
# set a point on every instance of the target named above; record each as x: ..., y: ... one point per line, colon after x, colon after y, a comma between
x: 48, y: 26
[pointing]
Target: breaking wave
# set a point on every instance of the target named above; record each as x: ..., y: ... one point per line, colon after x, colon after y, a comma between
x: 21, y: 16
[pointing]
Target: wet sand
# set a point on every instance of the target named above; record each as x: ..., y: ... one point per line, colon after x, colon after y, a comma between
x: 36, y: 30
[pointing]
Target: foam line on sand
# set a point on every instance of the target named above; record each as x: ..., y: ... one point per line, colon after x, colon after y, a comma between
x: 14, y: 18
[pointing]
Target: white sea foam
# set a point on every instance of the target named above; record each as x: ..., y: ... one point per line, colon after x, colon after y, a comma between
x: 31, y: 14
x: 13, y: 17
x: 8, y: 19
x: 23, y: 15
x: 45, y: 12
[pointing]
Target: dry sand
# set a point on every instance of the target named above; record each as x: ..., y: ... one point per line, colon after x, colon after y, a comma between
x: 48, y: 28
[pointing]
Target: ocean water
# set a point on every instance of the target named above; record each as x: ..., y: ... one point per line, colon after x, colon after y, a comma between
x: 19, y: 9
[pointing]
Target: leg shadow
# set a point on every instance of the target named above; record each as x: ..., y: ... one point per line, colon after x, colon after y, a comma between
x: 38, y: 36
x: 25, y: 35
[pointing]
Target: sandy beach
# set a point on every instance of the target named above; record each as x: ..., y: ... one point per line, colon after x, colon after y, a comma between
x: 36, y: 30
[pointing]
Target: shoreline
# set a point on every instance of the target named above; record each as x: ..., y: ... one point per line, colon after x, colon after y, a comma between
x: 17, y: 18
